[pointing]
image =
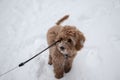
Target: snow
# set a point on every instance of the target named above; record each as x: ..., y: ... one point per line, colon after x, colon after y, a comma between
x: 23, y: 28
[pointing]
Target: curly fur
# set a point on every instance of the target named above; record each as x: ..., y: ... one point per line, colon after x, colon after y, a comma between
x: 71, y: 41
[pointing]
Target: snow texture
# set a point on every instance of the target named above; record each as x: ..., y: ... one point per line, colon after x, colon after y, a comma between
x: 23, y: 28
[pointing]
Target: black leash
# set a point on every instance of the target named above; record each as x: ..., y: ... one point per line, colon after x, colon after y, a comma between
x: 23, y: 63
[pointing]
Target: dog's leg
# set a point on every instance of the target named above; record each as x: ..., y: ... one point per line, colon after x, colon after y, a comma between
x: 50, y: 57
x: 50, y: 60
x: 59, y: 71
x: 58, y: 68
x: 68, y: 65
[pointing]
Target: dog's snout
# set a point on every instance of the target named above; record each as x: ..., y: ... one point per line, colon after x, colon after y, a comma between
x: 62, y: 48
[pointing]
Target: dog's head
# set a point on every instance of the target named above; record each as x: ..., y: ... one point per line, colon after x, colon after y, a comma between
x: 71, y: 40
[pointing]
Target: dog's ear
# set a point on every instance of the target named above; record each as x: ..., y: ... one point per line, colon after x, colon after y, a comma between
x: 80, y: 39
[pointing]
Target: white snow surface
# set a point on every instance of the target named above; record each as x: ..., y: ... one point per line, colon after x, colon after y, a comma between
x: 23, y: 28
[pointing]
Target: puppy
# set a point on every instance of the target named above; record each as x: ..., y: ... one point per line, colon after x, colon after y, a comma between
x: 63, y: 53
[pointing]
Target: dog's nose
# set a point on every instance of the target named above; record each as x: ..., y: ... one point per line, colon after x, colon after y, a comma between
x: 62, y: 48
x: 66, y: 56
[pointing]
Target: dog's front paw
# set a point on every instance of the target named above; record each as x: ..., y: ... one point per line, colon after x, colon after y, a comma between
x: 67, y: 70
x: 59, y: 76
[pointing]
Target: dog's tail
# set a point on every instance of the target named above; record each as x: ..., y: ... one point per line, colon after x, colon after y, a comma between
x: 62, y: 19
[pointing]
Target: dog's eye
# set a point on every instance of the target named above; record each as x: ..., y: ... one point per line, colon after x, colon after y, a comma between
x: 69, y: 40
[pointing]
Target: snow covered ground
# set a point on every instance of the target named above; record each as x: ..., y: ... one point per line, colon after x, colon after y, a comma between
x: 23, y: 27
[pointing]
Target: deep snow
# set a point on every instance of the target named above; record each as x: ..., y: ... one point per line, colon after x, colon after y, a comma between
x: 23, y: 27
